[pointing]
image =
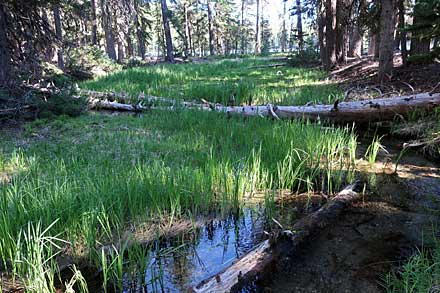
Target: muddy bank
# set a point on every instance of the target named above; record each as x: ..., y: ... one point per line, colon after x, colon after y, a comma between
x: 371, y: 237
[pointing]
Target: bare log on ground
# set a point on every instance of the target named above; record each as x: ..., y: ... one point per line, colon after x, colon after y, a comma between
x: 340, y: 112
x: 259, y: 262
x: 114, y: 106
x: 355, y: 111
x: 269, y: 65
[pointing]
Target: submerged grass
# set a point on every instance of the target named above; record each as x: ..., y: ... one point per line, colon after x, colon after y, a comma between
x: 217, y: 81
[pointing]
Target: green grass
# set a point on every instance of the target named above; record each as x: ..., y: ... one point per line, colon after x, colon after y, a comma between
x: 87, y: 180
x: 217, y: 81
x: 420, y: 274
x: 92, y: 176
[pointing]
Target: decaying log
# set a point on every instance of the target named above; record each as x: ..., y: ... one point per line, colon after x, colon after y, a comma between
x: 260, y: 261
x: 364, y: 111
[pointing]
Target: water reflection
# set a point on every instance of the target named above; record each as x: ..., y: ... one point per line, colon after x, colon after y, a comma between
x: 176, y: 265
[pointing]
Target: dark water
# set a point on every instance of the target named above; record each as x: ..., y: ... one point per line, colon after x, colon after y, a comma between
x: 177, y: 265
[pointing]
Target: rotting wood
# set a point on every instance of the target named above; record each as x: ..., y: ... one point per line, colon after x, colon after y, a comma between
x: 260, y: 261
x: 354, y: 111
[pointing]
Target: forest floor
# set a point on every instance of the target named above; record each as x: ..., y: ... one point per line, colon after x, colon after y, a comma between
x: 109, y: 179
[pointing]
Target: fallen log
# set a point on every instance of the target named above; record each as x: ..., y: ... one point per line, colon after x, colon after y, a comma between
x: 364, y: 111
x: 259, y: 262
x: 343, y: 112
x: 268, y: 65
x: 15, y: 111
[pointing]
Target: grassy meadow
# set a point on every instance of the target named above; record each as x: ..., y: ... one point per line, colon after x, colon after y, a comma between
x: 72, y: 186
x: 217, y: 81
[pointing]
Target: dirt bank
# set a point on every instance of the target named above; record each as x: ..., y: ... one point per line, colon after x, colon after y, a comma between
x: 371, y: 237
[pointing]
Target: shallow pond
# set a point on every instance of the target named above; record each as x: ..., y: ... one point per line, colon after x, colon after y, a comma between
x: 178, y: 264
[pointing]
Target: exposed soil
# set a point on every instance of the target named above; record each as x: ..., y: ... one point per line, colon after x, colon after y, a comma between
x: 412, y: 78
x: 371, y: 237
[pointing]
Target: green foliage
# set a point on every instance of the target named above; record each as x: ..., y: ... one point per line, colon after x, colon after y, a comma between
x: 306, y: 57
x: 89, y: 59
x: 425, y: 58
x: 420, y: 274
x: 427, y: 13
x: 61, y: 104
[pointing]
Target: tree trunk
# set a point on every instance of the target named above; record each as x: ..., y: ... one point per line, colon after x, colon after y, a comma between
x: 387, y: 26
x: 418, y: 45
x: 330, y: 34
x: 357, y: 31
x: 94, y: 23
x: 166, y: 27
x: 343, y: 13
x: 140, y: 34
x: 299, y: 27
x: 5, y: 53
x: 283, y: 31
x: 321, y: 31
x: 210, y: 30
x: 242, y: 27
x: 59, y: 35
x: 108, y: 30
x: 257, y: 29
x: 120, y: 51
x: 49, y: 51
x: 355, y: 42
x: 186, y: 41
x: 402, y: 32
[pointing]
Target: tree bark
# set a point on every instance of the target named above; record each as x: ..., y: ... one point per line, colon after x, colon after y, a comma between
x: 299, y: 26
x: 357, y: 31
x: 355, y: 42
x: 108, y: 30
x: 321, y: 31
x: 5, y: 53
x: 402, y: 32
x: 94, y: 23
x: 418, y: 45
x: 283, y: 31
x: 166, y: 27
x: 330, y: 34
x: 343, y: 12
x: 387, y: 26
x: 242, y: 27
x: 120, y: 51
x: 59, y: 35
x: 140, y: 34
x: 257, y: 29
x: 210, y: 30
x: 186, y: 43
x: 130, y: 49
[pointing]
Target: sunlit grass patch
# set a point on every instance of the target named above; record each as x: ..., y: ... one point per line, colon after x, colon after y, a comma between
x: 217, y: 81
